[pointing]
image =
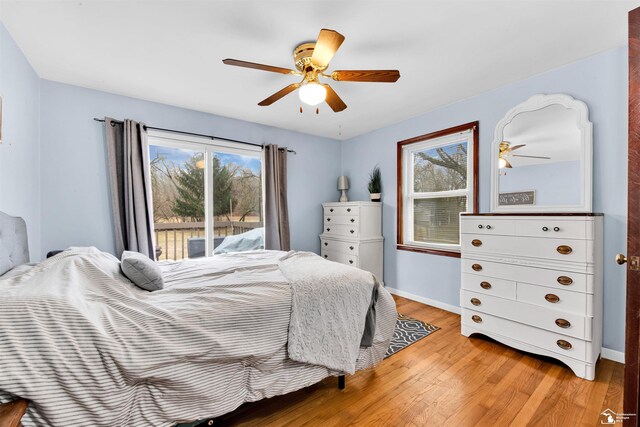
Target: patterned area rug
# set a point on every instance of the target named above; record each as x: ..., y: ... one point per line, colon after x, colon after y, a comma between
x: 408, y: 331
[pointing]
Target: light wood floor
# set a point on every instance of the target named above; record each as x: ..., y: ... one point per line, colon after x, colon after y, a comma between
x: 447, y: 379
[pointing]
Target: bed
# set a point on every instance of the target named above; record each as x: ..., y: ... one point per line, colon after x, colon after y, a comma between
x: 87, y: 347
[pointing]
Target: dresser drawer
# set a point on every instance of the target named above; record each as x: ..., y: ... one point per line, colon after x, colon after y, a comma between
x: 489, y: 285
x: 341, y: 230
x: 565, y: 323
x: 557, y: 279
x: 531, y: 247
x: 556, y: 299
x: 554, y: 228
x: 481, y: 225
x: 340, y: 257
x: 526, y: 334
x: 341, y: 210
x: 339, y: 246
x: 341, y: 220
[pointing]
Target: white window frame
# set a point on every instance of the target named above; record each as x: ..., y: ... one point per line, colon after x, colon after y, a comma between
x: 207, y: 146
x: 408, y: 152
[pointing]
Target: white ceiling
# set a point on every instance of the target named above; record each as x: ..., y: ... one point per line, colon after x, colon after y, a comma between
x: 171, y: 51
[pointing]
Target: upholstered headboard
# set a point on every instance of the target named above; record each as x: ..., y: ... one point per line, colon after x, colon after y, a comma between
x: 14, y: 248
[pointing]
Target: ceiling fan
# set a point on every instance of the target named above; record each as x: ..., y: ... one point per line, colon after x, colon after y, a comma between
x: 506, y: 149
x: 311, y: 60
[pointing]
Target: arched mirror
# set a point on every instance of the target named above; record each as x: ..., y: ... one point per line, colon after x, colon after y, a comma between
x: 542, y: 157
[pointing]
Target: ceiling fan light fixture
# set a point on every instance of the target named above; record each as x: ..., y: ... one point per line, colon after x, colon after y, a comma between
x: 502, y: 163
x: 312, y: 93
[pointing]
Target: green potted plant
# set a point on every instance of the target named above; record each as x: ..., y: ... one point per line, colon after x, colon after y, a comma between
x: 375, y: 184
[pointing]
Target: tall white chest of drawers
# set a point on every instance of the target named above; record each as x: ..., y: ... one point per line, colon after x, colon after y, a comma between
x: 352, y: 235
x: 535, y: 283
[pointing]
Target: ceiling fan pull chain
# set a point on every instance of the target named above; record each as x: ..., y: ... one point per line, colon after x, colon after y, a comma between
x: 317, y: 110
x: 301, y: 109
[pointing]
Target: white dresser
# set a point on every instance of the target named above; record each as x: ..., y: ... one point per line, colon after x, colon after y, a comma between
x: 535, y: 283
x: 352, y: 235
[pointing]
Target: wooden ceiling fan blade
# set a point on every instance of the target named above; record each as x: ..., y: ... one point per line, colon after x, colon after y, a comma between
x: 335, y: 102
x: 256, y: 66
x: 326, y: 47
x: 379, y: 76
x: 279, y: 94
x: 515, y: 147
x: 531, y: 157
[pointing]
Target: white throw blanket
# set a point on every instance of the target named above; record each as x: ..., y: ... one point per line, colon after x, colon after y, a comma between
x: 328, y: 310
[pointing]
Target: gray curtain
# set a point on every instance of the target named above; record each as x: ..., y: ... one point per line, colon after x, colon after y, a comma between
x: 128, y: 153
x: 276, y: 213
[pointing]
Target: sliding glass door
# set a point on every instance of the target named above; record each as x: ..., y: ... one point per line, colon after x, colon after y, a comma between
x: 237, y: 201
x: 207, y: 196
x: 178, y: 190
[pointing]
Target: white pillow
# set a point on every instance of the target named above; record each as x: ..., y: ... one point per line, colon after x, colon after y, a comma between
x: 142, y: 271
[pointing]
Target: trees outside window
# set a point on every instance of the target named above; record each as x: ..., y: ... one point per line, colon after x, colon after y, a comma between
x: 188, y: 184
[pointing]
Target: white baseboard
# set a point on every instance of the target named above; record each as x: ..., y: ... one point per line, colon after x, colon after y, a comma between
x: 615, y: 355
x: 424, y: 300
x: 607, y: 353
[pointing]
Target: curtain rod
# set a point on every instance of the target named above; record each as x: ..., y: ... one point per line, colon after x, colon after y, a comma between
x: 195, y: 134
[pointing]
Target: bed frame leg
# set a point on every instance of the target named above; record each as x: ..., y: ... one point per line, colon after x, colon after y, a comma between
x: 341, y: 382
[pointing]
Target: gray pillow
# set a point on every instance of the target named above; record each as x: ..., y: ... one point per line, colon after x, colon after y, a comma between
x: 141, y: 270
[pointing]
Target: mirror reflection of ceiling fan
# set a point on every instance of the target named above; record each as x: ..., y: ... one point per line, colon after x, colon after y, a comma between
x: 505, y: 151
x: 311, y: 60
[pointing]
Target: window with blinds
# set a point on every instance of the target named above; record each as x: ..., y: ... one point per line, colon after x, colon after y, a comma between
x: 438, y: 183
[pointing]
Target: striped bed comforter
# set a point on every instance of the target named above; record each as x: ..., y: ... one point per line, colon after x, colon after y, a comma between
x: 87, y: 347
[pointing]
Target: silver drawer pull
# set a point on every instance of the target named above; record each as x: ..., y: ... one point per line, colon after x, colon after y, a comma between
x: 331, y: 210
x: 328, y: 229
x: 326, y: 256
x: 351, y: 247
x: 556, y: 229
x: 352, y: 220
x: 480, y: 226
x: 488, y: 227
x: 351, y: 231
x: 545, y: 228
x: 328, y: 219
x: 348, y: 209
x: 350, y: 261
x: 326, y: 243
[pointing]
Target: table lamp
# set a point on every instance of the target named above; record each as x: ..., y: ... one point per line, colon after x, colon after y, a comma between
x: 343, y: 185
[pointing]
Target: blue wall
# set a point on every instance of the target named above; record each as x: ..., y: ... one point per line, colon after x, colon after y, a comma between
x: 601, y: 82
x: 20, y: 148
x: 75, y: 189
x: 53, y: 164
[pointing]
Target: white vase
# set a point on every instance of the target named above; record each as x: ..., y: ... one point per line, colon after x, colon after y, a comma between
x: 375, y: 197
